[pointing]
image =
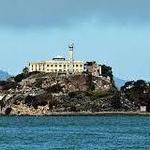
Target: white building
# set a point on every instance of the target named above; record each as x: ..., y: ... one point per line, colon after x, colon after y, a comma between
x: 59, y: 64
x: 143, y: 108
x: 67, y: 66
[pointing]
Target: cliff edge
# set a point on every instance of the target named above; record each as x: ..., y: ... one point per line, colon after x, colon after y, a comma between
x: 43, y: 93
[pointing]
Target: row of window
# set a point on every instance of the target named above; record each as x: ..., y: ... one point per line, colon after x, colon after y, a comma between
x: 57, y: 65
x: 60, y: 70
x: 54, y: 70
x: 64, y: 65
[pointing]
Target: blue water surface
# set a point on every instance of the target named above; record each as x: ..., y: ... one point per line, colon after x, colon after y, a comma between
x: 75, y: 133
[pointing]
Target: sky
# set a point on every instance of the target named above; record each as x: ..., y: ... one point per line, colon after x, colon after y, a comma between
x: 112, y: 32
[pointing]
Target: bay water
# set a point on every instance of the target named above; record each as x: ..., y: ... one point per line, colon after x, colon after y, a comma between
x: 75, y: 133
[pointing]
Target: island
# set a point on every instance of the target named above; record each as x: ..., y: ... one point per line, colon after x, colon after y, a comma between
x: 71, y: 87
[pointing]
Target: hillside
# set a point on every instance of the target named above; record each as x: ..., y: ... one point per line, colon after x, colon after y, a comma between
x: 43, y: 93
x: 46, y: 93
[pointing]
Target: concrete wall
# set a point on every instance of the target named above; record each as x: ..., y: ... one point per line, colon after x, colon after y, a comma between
x: 57, y: 66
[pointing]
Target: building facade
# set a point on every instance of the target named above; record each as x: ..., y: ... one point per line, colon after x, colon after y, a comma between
x: 59, y: 64
x: 66, y: 66
x: 93, y: 68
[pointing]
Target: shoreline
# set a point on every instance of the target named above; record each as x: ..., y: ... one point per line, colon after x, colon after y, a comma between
x: 105, y: 113
x: 99, y: 114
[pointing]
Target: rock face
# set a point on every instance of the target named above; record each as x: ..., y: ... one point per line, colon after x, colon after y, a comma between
x: 43, y: 93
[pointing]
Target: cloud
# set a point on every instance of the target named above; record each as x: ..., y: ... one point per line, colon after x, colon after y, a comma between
x: 50, y: 13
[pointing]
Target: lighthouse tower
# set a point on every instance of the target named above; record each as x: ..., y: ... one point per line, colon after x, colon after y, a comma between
x: 70, y: 52
x: 71, y: 58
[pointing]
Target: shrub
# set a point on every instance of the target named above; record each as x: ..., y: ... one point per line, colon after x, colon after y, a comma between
x: 98, y: 94
x: 8, y: 111
x: 107, y: 71
x: 39, y: 100
x: 39, y: 82
x: 90, y: 84
x: 20, y: 77
x: 6, y: 85
x: 115, y: 101
x: 73, y: 109
x: 55, y: 88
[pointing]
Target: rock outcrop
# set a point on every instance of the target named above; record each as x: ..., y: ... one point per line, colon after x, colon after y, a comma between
x: 44, y: 93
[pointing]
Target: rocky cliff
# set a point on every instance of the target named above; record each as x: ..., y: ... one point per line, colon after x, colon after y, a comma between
x: 43, y: 93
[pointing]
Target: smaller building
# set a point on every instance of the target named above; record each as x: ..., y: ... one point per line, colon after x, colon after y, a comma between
x: 143, y: 108
x: 93, y: 68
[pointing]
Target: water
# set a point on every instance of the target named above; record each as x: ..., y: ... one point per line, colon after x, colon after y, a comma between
x: 75, y: 133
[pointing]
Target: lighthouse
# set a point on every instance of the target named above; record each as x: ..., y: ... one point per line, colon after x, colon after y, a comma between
x: 71, y: 58
x: 70, y: 52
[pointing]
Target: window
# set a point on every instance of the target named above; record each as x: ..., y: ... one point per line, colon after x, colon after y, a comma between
x: 81, y: 66
x: 76, y: 65
x: 60, y: 65
x: 51, y: 65
x: 47, y: 65
x: 64, y: 66
x: 47, y: 69
x: 55, y: 65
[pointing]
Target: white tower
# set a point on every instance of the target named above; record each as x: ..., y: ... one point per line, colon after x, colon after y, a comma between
x: 70, y: 52
x: 71, y: 58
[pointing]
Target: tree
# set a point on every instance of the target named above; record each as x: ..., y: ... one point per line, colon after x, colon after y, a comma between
x: 25, y: 70
x: 115, y: 101
x: 23, y: 75
x: 137, y: 92
x: 127, y: 84
x: 107, y: 71
x: 19, y: 77
x: 140, y: 83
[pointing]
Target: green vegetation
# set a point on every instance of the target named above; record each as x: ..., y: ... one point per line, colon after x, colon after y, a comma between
x: 6, y: 85
x: 98, y: 94
x: 25, y: 74
x: 90, y: 84
x: 107, y: 72
x: 8, y: 110
x: 20, y: 77
x: 115, y: 101
x: 39, y: 100
x: 54, y: 88
x: 137, y: 92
